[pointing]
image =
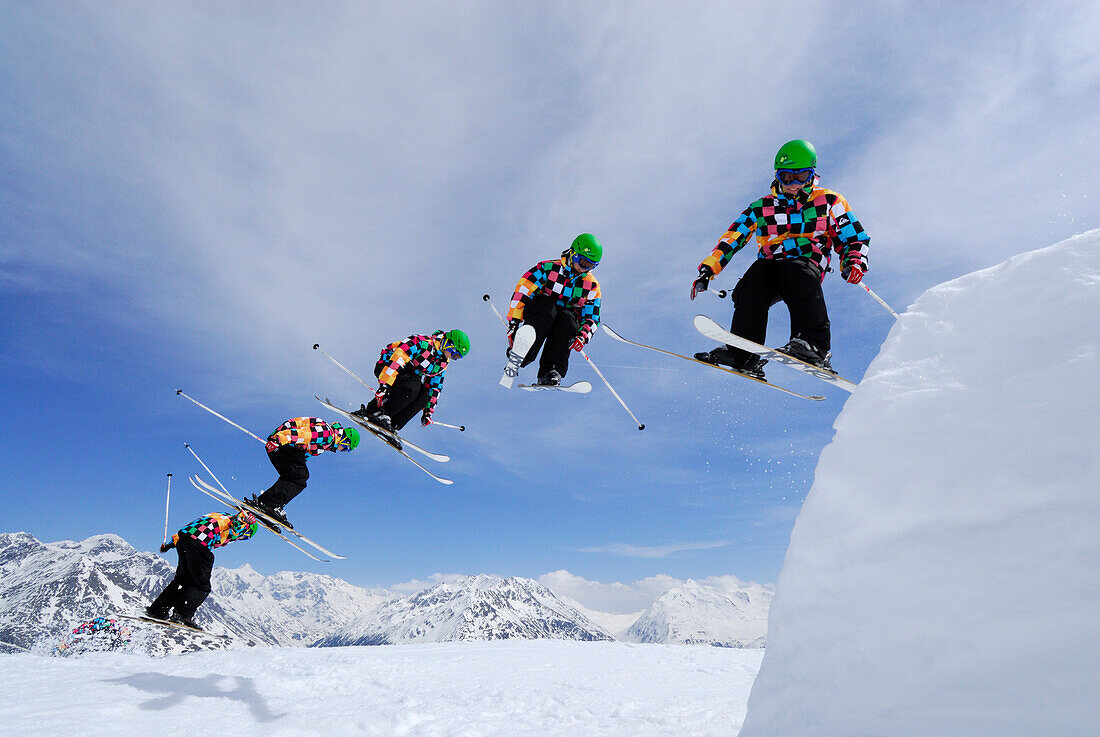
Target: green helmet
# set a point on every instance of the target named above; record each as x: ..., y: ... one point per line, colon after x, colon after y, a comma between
x: 459, y: 340
x: 796, y: 154
x: 586, y: 245
x: 351, y: 437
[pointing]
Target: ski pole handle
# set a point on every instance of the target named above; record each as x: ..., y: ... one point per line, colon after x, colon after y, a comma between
x: 460, y: 428
x: 878, y: 299
x: 179, y: 392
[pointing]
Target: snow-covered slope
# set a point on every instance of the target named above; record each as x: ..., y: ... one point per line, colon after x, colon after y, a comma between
x: 513, y: 688
x: 693, y: 614
x: 474, y: 608
x: 942, y: 578
x: 47, y: 588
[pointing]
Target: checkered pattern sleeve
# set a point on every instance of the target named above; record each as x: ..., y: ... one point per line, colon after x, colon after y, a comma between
x: 211, y: 530
x: 530, y: 284
x: 734, y: 240
x: 851, y: 240
x: 312, y: 434
x: 589, y: 307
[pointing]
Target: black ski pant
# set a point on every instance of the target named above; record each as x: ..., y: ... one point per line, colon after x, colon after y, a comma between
x: 405, y: 398
x: 556, y: 328
x: 191, y: 585
x: 290, y: 462
x: 797, y: 283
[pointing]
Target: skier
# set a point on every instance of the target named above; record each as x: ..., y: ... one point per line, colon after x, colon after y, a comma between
x: 195, y: 544
x: 410, y: 374
x: 797, y: 227
x: 560, y: 298
x: 288, y: 448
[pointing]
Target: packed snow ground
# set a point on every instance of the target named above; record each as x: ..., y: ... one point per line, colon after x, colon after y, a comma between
x: 538, y: 688
x: 942, y: 577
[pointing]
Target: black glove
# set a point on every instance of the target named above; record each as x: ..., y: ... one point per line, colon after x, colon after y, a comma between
x: 701, y: 284
x: 513, y: 326
x: 164, y: 548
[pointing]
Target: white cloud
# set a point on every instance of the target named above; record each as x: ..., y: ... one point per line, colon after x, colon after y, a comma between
x: 624, y: 598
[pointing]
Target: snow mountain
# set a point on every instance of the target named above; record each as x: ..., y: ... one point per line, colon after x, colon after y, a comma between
x: 46, y: 589
x: 474, y: 608
x: 694, y: 614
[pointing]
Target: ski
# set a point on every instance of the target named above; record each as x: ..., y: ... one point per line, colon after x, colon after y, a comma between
x: 581, y: 387
x: 521, y: 344
x: 381, y: 431
x: 714, y: 331
x: 174, y: 625
x: 381, y: 435
x: 230, y: 501
x: 258, y: 513
x: 616, y: 336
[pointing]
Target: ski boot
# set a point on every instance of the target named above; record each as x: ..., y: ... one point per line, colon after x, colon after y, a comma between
x: 151, y: 613
x: 185, y: 621
x: 550, y: 378
x: 276, y: 513
x: 803, y: 351
x: 753, y: 366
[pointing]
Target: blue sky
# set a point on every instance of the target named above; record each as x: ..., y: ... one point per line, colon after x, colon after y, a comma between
x: 192, y: 195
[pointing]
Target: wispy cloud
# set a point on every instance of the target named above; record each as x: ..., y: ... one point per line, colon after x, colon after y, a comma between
x: 652, y: 551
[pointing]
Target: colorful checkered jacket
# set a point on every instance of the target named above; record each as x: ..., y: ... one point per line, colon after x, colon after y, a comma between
x: 312, y: 434
x: 425, y: 357
x: 808, y: 225
x: 579, y: 292
x: 214, y: 530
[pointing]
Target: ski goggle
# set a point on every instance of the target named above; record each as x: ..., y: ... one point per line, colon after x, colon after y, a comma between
x: 451, y: 349
x: 583, y: 262
x: 794, y: 176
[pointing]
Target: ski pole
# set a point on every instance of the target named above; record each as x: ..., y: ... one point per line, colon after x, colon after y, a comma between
x: 878, y: 299
x: 612, y: 390
x: 166, y: 499
x: 460, y: 428
x: 185, y: 445
x: 494, y: 308
x: 317, y: 347
x: 719, y: 293
x: 234, y: 424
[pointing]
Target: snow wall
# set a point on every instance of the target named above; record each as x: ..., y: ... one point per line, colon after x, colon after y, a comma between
x: 943, y: 577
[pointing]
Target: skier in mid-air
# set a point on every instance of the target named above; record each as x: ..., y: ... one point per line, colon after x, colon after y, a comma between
x: 797, y: 226
x: 288, y: 448
x: 410, y: 374
x: 560, y: 298
x: 195, y: 544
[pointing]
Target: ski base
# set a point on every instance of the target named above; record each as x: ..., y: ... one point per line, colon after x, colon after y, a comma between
x: 714, y: 331
x: 173, y: 625
x: 521, y: 344
x: 581, y: 387
x: 616, y: 336
x: 380, y: 433
x: 269, y: 523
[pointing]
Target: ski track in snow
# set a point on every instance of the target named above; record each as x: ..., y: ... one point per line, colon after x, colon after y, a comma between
x: 473, y: 689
